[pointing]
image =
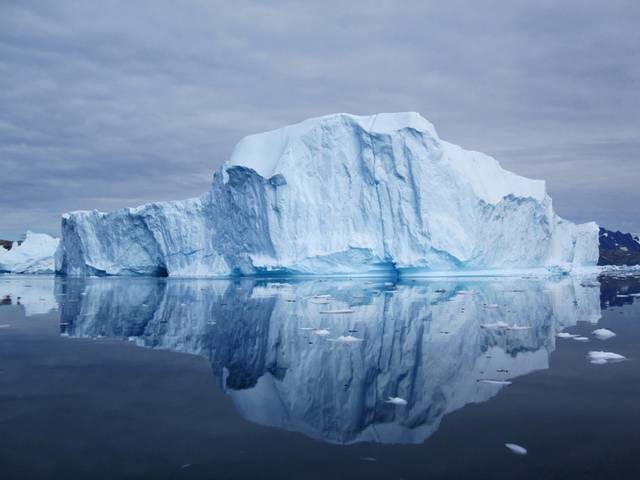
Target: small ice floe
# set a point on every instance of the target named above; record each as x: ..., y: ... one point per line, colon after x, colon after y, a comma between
x: 305, y: 328
x: 566, y: 335
x: 6, y: 325
x: 518, y: 327
x: 323, y: 332
x: 634, y: 294
x: 492, y: 305
x: 337, y: 311
x: 490, y: 381
x: 515, y: 448
x: 396, y: 401
x: 346, y: 339
x: 388, y: 284
x: 603, y: 334
x: 623, y: 296
x: 499, y: 325
x: 581, y: 339
x: 186, y: 465
x: 600, y: 358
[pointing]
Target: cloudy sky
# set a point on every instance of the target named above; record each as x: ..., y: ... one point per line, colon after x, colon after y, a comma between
x: 112, y: 104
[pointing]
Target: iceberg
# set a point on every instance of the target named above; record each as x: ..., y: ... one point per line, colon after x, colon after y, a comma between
x: 34, y: 255
x: 339, y: 194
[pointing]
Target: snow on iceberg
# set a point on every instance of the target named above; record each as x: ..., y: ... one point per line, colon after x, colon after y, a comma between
x: 333, y: 195
x: 34, y: 255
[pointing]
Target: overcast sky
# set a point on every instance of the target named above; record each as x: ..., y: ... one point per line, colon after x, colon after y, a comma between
x: 112, y: 104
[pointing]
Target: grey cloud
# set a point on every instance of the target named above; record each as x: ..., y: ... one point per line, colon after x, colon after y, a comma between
x: 112, y: 104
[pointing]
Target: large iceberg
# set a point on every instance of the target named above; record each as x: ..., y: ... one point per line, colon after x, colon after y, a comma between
x: 340, y: 194
x: 34, y: 255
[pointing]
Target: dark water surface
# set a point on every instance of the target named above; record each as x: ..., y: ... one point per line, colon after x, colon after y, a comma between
x: 254, y: 379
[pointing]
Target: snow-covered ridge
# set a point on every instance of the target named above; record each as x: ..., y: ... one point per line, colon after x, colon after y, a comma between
x: 33, y: 255
x: 339, y: 194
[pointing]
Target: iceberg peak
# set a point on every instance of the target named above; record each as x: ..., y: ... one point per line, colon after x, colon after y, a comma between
x: 262, y: 151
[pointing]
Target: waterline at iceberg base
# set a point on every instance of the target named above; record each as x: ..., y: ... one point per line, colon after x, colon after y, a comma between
x: 340, y: 194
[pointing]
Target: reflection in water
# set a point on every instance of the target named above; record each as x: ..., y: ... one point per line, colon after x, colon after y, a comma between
x: 275, y: 345
x: 33, y: 293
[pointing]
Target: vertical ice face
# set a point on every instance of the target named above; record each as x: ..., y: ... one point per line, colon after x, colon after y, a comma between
x: 338, y: 194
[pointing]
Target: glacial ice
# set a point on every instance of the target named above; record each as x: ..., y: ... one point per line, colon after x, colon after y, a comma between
x: 340, y: 194
x: 515, y: 448
x: 34, y: 255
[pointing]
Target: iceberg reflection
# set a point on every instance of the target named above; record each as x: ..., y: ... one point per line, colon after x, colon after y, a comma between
x: 276, y: 345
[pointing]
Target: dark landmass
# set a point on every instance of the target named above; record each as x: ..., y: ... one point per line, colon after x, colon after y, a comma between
x: 617, y: 248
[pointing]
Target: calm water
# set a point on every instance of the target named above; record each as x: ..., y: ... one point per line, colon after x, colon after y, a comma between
x: 156, y: 378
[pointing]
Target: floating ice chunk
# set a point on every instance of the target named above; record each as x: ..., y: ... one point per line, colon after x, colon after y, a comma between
x: 323, y: 332
x: 518, y: 327
x: 634, y: 294
x: 346, y: 339
x: 305, y: 328
x: 492, y: 305
x: 337, y: 311
x: 603, y: 334
x: 515, y: 448
x: 581, y: 339
x: 499, y: 325
x: 396, y: 401
x: 566, y: 335
x: 623, y: 296
x: 6, y: 325
x: 600, y: 357
x: 494, y: 382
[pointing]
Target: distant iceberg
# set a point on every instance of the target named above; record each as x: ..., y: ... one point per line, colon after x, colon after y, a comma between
x: 34, y: 255
x: 339, y: 194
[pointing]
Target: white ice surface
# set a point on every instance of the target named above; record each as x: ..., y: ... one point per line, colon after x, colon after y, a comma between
x: 34, y: 255
x: 600, y: 357
x: 603, y: 334
x: 339, y: 194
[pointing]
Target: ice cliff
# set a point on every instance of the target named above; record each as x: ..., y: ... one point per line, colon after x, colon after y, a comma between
x: 34, y: 255
x: 332, y: 195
